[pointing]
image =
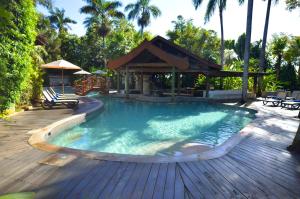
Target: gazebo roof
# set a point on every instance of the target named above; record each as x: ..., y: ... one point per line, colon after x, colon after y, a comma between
x: 160, y: 54
x: 180, y: 51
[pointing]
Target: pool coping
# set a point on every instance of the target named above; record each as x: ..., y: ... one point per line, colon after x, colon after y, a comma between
x: 39, y: 137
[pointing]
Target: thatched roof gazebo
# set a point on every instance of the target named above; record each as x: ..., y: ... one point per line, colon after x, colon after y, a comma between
x: 162, y: 56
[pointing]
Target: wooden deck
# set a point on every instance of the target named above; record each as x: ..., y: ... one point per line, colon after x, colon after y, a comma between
x: 259, y: 167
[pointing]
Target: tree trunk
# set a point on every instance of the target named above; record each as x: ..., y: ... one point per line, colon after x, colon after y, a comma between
x: 222, y: 39
x: 277, y: 66
x: 262, y: 58
x: 222, y: 44
x: 247, y: 50
x: 296, y: 142
x: 142, y: 30
x: 104, y: 54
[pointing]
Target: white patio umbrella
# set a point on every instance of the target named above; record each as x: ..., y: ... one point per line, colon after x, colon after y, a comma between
x: 82, y: 72
x: 63, y: 65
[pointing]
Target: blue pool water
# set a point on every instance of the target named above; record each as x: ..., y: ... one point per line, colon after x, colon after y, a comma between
x: 141, y: 128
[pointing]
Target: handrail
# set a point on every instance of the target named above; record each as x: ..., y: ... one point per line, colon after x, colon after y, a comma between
x: 91, y: 83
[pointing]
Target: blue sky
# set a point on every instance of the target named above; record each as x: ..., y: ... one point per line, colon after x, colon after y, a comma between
x: 281, y: 20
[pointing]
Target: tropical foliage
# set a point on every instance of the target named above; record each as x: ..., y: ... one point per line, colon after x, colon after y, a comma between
x: 211, y: 7
x: 142, y: 11
x: 59, y: 21
x: 200, y: 41
x: 102, y: 13
x: 16, y: 46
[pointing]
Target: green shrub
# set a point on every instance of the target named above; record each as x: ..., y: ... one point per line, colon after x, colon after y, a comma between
x: 16, y: 44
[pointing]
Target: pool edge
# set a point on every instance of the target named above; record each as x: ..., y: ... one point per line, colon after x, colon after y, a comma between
x: 38, y: 139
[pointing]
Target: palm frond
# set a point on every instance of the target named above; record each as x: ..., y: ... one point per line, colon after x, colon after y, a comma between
x: 241, y: 2
x: 154, y: 11
x: 211, y: 6
x: 129, y: 7
x: 116, y: 14
x: 68, y: 20
x: 197, y: 3
x: 113, y: 5
x: 88, y: 22
x: 222, y: 4
x: 132, y: 15
x: 88, y: 9
x: 53, y: 19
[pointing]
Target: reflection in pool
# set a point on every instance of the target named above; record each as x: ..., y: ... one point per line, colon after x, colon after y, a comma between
x: 142, y: 128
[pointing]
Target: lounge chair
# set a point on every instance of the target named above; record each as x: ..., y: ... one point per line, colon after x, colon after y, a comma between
x: 275, y: 100
x: 61, y: 97
x: 69, y: 95
x: 49, y: 101
x: 292, y: 103
x: 294, y: 96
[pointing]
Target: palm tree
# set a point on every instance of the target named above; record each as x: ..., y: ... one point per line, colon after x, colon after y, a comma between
x: 262, y: 59
x: 247, y: 50
x: 278, y: 46
x: 211, y: 6
x: 142, y: 11
x: 59, y: 20
x: 101, y: 13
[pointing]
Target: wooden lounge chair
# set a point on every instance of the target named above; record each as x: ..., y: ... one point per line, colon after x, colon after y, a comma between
x: 52, y: 91
x: 294, y: 96
x: 275, y: 100
x: 58, y: 96
x: 49, y: 101
x: 292, y: 104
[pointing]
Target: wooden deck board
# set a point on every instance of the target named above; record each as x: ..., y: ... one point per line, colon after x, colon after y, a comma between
x: 151, y: 181
x: 114, y: 181
x: 118, y: 189
x: 259, y: 167
x: 141, y: 183
x: 169, y: 191
x: 101, y: 181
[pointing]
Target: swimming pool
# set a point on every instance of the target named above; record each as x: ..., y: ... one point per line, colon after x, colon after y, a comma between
x: 143, y: 128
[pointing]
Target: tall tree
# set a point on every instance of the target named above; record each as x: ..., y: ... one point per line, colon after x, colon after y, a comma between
x: 200, y: 41
x: 59, y: 21
x: 102, y: 13
x: 247, y: 50
x: 211, y: 6
x: 277, y: 47
x: 239, y: 46
x: 142, y: 11
x: 262, y: 59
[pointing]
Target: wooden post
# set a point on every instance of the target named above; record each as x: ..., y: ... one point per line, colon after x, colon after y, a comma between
x: 173, y: 83
x: 142, y: 82
x: 126, y: 82
x: 207, y: 86
x: 178, y: 83
x: 118, y: 81
x: 255, y: 84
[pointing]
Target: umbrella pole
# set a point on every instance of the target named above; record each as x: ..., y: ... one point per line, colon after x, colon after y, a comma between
x: 63, y: 84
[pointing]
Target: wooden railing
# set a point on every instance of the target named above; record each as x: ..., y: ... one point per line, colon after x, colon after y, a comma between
x: 91, y: 83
